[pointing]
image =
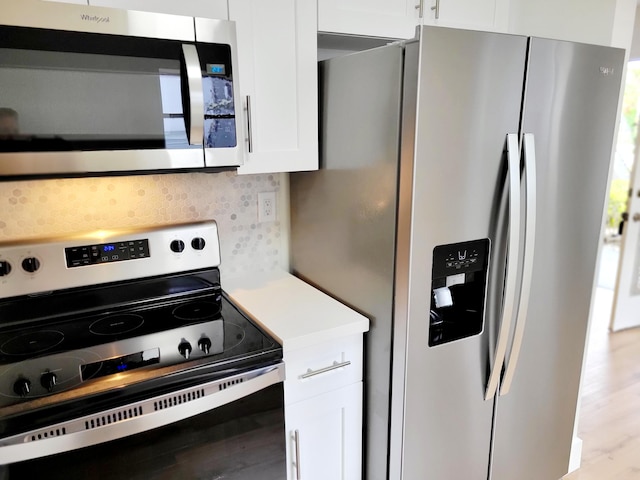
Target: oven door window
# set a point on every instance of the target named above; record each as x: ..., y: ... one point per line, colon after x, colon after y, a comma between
x: 242, y: 440
x: 70, y: 91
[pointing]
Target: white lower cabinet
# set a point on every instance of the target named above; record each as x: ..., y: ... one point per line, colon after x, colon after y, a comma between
x: 323, y: 410
x: 324, y: 436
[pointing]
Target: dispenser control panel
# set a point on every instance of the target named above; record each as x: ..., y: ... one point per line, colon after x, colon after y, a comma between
x: 458, y: 290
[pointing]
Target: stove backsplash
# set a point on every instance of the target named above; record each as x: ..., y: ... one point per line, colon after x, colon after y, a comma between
x: 30, y: 209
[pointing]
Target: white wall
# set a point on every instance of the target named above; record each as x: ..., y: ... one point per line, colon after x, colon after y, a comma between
x: 635, y: 44
x: 50, y: 208
x: 589, y: 21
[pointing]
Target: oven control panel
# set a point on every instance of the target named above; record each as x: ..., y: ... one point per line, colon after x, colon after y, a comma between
x: 104, y: 256
x: 106, y: 252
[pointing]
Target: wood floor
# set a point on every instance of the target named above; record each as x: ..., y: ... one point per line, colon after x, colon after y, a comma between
x: 609, y: 422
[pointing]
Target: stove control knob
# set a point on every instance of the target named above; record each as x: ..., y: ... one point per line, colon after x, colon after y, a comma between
x: 177, y: 246
x: 48, y: 380
x: 185, y: 349
x: 22, y: 387
x: 204, y: 344
x: 5, y: 268
x: 31, y: 264
x: 198, y: 243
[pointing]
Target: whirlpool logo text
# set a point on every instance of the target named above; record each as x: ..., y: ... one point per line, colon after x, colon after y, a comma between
x: 95, y: 18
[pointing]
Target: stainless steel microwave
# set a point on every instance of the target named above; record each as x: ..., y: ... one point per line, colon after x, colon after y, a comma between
x: 85, y: 90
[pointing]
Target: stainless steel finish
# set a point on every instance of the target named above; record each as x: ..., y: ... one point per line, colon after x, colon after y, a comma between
x: 43, y: 163
x: 335, y: 366
x: 420, y: 8
x: 53, y: 273
x: 456, y: 188
x: 222, y: 31
x: 571, y: 108
x: 82, y: 18
x: 137, y: 417
x: 511, y: 281
x: 296, y: 439
x: 67, y: 364
x: 196, y: 96
x: 249, y: 129
x: 529, y: 157
x: 403, y: 259
x: 436, y: 9
x: 458, y: 90
x: 90, y: 19
x: 636, y: 217
x: 347, y: 247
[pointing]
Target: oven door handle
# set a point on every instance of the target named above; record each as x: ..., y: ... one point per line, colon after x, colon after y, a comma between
x: 162, y: 410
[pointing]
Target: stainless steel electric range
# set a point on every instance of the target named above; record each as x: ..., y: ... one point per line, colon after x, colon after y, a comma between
x: 122, y: 357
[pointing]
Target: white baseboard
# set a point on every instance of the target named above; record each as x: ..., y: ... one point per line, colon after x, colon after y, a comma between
x: 576, y: 454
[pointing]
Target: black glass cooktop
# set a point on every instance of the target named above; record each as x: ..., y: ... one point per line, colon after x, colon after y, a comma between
x: 39, y: 326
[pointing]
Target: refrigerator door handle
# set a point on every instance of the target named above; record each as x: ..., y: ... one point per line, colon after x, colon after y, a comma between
x: 511, y: 280
x: 529, y: 154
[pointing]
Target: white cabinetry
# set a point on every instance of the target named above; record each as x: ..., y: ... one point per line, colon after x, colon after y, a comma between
x: 488, y: 15
x: 376, y: 18
x: 398, y: 18
x: 324, y: 436
x: 277, y: 45
x: 323, y: 410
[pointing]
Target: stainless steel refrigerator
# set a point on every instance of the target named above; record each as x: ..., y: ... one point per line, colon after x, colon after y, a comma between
x: 459, y: 205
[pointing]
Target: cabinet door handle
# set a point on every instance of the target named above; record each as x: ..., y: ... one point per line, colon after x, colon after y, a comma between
x: 334, y: 366
x: 436, y: 7
x: 420, y: 8
x: 249, y: 129
x: 296, y: 438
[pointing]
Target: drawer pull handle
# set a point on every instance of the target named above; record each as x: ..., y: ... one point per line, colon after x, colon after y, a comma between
x: 335, y: 366
x: 296, y: 437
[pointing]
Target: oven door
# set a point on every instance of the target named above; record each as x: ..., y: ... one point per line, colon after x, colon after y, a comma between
x: 117, y: 91
x: 231, y: 427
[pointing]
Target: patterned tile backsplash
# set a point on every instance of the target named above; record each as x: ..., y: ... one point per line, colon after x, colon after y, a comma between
x: 42, y: 208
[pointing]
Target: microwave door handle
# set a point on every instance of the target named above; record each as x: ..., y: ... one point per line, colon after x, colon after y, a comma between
x: 513, y: 168
x: 194, y: 104
x: 529, y: 155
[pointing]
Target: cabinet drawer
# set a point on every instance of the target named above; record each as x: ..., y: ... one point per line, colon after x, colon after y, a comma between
x: 322, y: 368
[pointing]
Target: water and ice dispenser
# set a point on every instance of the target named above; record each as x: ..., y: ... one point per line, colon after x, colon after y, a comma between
x: 458, y: 291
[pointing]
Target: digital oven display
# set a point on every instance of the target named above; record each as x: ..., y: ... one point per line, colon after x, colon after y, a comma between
x: 119, y: 364
x: 106, y: 253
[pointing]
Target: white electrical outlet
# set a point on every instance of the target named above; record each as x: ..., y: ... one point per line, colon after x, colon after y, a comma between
x: 266, y: 207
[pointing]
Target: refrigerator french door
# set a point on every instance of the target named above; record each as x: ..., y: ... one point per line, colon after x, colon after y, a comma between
x: 460, y: 211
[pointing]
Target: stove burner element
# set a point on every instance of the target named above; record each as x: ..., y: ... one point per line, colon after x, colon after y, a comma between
x: 116, y: 324
x: 32, y: 343
x: 196, y: 311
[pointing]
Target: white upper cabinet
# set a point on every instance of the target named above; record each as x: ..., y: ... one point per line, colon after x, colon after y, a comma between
x: 490, y: 15
x: 377, y: 18
x: 398, y: 18
x: 191, y: 8
x: 277, y: 50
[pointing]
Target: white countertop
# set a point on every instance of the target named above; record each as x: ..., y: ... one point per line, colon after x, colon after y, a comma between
x: 292, y: 311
